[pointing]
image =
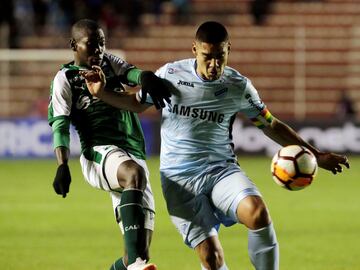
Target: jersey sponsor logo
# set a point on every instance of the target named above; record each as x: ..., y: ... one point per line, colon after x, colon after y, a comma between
x: 259, y: 107
x: 189, y: 84
x: 221, y: 92
x: 132, y: 227
x: 198, y: 113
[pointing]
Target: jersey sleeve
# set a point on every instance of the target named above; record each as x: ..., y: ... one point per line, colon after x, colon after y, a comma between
x: 161, y: 72
x: 120, y: 67
x: 60, y: 98
x: 254, y: 108
x: 59, y: 110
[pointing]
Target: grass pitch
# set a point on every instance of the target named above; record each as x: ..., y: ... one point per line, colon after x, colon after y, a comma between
x: 318, y: 228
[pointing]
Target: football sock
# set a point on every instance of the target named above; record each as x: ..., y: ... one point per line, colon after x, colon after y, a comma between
x: 224, y: 267
x: 132, y: 216
x: 264, y: 248
x: 118, y: 265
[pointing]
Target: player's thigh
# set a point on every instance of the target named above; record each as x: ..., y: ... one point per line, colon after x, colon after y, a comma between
x: 191, y: 213
x: 227, y: 194
x: 122, y: 170
x: 102, y: 171
x: 100, y: 168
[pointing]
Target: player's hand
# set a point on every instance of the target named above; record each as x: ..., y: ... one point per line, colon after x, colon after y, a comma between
x: 62, y: 180
x: 156, y: 88
x: 95, y: 80
x: 332, y: 162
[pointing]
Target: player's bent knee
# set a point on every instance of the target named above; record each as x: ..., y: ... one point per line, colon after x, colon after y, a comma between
x: 253, y: 213
x: 131, y: 175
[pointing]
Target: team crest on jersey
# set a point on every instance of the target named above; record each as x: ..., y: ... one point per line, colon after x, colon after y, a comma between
x: 189, y: 84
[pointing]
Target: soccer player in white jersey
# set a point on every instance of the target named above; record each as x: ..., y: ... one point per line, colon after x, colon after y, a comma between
x: 202, y: 182
x: 112, y: 142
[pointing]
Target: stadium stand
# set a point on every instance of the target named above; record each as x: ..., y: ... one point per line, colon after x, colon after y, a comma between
x: 301, y: 59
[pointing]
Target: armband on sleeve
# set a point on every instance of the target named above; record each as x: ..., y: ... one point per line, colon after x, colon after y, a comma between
x: 263, y: 119
x: 61, y: 133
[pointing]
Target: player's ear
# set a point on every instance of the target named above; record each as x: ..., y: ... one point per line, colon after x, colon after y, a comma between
x: 193, y: 48
x: 229, y: 47
x: 73, y: 44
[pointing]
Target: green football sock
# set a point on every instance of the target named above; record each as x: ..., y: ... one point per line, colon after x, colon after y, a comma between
x: 133, y: 217
x: 118, y: 265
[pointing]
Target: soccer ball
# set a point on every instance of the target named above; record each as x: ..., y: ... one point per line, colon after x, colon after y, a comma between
x: 294, y: 167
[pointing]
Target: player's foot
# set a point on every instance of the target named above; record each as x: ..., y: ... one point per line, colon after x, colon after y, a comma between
x: 140, y: 264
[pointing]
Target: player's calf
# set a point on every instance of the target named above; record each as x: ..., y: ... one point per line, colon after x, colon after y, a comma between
x: 211, y: 254
x: 263, y: 248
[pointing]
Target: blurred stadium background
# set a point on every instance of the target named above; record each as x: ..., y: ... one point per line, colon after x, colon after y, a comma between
x: 302, y: 56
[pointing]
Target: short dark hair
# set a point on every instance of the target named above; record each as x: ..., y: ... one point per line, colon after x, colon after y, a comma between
x: 83, y: 26
x: 212, y: 32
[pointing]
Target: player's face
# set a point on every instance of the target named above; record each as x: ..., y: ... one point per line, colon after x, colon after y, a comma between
x: 211, y: 59
x: 90, y: 48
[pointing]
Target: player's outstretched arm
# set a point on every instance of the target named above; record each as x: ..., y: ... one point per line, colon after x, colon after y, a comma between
x: 95, y: 81
x: 62, y: 178
x: 285, y: 135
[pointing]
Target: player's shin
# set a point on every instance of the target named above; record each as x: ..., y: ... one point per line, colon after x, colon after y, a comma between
x: 132, y: 216
x: 264, y: 248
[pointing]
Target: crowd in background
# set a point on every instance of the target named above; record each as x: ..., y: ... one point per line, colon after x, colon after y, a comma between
x: 39, y: 17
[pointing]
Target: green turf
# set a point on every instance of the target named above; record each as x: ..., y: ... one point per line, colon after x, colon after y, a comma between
x: 318, y: 228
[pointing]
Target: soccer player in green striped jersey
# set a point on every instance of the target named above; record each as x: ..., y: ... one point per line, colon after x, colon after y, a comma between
x: 112, y: 142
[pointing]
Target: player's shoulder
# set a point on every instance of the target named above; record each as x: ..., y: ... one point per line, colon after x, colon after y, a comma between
x: 66, y: 76
x: 64, y: 71
x: 231, y: 75
x: 184, y: 63
x: 113, y: 58
x: 117, y: 64
x: 68, y: 72
x: 175, y: 68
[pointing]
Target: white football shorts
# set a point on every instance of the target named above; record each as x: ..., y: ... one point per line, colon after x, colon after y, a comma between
x: 102, y: 174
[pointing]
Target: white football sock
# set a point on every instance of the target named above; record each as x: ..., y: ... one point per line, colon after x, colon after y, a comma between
x: 264, y: 248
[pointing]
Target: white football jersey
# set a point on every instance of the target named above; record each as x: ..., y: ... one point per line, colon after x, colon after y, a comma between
x: 196, y: 128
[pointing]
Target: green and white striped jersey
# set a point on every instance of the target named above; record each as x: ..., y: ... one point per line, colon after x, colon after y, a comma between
x: 96, y: 122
